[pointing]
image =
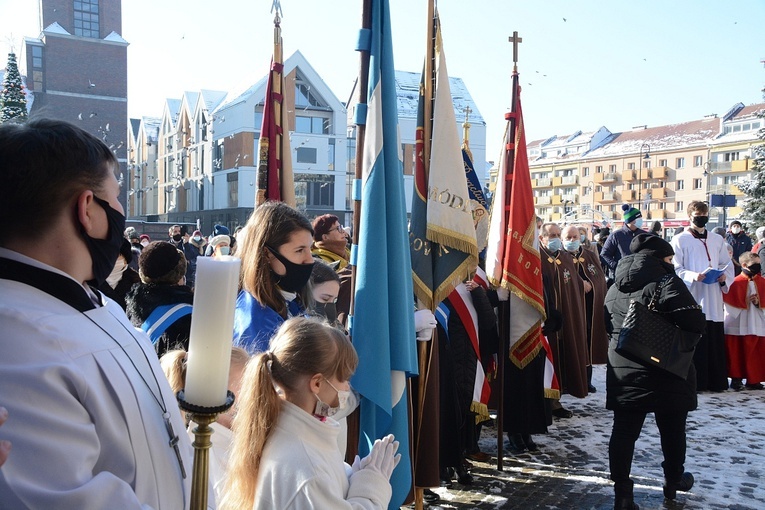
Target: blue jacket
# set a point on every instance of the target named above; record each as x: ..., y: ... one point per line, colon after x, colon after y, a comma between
x: 617, y: 245
x: 255, y: 324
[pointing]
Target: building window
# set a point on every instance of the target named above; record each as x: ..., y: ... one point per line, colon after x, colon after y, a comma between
x: 586, y: 171
x: 304, y: 97
x: 680, y: 163
x: 646, y: 163
x: 679, y: 207
x: 86, y: 18
x: 662, y: 162
x: 662, y: 205
x: 314, y: 125
x: 697, y: 160
x: 598, y: 169
x: 232, y: 180
x: 314, y: 190
x: 731, y: 156
x: 37, y: 56
x: 680, y: 185
x: 630, y: 166
x: 696, y: 183
x: 306, y: 155
x: 612, y: 168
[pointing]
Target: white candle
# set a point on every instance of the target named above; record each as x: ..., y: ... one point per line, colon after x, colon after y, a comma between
x: 212, y: 331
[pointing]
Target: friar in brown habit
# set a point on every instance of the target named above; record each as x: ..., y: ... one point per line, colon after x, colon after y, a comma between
x: 588, y: 266
x: 569, y: 344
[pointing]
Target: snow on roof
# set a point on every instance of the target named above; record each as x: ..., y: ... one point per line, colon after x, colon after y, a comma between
x: 191, y: 98
x: 151, y: 127
x: 55, y: 28
x: 212, y: 98
x: 115, y: 37
x: 241, y: 96
x: 661, y: 138
x: 408, y: 91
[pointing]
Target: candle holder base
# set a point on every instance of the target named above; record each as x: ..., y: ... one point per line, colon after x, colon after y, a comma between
x: 203, y: 417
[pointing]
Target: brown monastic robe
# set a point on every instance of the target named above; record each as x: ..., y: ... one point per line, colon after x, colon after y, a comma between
x: 588, y: 264
x: 569, y: 345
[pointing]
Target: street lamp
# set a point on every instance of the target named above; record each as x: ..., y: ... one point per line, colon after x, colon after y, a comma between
x: 708, y: 177
x: 640, y: 162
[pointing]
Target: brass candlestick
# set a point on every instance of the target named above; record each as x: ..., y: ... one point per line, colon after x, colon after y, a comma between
x: 203, y: 417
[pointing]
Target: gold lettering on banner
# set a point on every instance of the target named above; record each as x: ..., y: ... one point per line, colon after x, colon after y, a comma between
x: 426, y: 247
x: 448, y: 199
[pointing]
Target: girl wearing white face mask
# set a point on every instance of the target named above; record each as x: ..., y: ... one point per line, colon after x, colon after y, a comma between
x: 284, y: 453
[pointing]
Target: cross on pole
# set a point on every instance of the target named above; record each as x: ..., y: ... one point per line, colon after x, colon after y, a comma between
x: 515, y: 40
x: 467, y: 111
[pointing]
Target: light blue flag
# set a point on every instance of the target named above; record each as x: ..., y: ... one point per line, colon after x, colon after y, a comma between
x: 383, y: 323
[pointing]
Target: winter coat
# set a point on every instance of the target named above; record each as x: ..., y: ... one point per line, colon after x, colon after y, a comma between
x: 617, y: 245
x: 191, y: 252
x: 118, y: 293
x: 143, y: 298
x: 629, y: 385
x: 740, y: 242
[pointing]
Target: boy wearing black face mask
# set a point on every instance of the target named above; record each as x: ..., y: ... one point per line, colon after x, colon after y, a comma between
x: 745, y: 325
x: 94, y: 419
x: 696, y: 250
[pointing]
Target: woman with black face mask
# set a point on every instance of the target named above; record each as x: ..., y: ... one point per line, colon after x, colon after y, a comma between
x: 324, y: 289
x: 275, y: 249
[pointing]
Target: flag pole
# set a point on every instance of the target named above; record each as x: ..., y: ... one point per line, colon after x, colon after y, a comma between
x: 504, y: 306
x: 424, y: 347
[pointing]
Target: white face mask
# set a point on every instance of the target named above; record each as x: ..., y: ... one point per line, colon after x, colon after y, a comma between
x: 116, y: 275
x: 324, y: 409
x: 735, y: 229
x: 144, y: 243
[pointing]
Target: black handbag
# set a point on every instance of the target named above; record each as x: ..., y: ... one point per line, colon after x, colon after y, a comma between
x: 651, y: 340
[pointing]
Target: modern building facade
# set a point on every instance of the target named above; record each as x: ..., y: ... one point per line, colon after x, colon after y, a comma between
x: 586, y: 177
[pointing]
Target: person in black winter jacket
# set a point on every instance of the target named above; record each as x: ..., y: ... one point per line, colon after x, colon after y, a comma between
x: 634, y: 390
x: 162, y: 268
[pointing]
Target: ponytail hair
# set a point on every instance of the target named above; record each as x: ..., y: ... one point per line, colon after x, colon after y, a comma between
x: 301, y: 348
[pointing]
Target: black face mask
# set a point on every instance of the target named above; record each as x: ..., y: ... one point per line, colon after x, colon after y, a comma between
x: 670, y: 267
x: 177, y: 237
x: 295, y: 278
x: 752, y: 270
x: 104, y: 252
x: 700, y: 221
x: 328, y: 310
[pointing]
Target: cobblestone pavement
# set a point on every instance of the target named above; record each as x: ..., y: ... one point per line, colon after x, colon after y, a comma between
x: 726, y: 443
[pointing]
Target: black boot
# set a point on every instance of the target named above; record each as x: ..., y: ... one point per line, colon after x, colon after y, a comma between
x: 590, y: 387
x: 515, y: 443
x: 529, y: 442
x: 624, y: 496
x: 463, y: 476
x: 684, y: 484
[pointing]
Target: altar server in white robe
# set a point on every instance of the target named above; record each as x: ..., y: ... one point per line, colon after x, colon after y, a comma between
x: 697, y: 250
x: 92, y: 419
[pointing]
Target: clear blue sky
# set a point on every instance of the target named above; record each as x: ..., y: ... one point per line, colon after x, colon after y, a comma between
x: 613, y: 63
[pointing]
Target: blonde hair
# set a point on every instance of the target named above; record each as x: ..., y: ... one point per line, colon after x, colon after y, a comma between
x: 173, y: 364
x: 302, y: 347
x: 270, y: 224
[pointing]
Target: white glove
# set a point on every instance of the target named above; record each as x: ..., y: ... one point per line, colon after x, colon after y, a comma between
x: 424, y: 319
x: 383, y: 457
x: 356, y: 466
x: 503, y: 294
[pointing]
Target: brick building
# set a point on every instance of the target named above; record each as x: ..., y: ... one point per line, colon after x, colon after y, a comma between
x: 77, y: 69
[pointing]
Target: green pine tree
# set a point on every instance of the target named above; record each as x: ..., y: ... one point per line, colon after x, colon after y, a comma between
x: 13, y: 101
x: 754, y: 187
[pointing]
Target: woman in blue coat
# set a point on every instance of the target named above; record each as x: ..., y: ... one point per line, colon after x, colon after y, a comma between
x: 276, y: 266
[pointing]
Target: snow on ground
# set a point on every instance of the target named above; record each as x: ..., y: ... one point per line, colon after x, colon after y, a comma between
x: 726, y: 442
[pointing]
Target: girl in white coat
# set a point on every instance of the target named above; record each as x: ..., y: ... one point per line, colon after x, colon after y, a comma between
x: 285, y: 451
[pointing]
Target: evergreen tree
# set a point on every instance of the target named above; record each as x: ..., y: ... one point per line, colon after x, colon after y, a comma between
x: 754, y: 188
x: 13, y: 101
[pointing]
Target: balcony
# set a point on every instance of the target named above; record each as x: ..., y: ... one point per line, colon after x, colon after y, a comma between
x: 609, y: 177
x: 606, y: 196
x: 570, y: 197
x: 660, y: 193
x: 659, y: 172
x: 544, y: 183
x: 656, y: 214
x: 628, y: 195
x: 570, y: 179
x: 542, y: 200
x: 629, y: 176
x: 556, y: 200
x: 557, y: 181
x: 741, y: 165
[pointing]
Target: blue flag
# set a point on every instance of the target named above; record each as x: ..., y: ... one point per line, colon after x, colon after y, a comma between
x: 383, y: 321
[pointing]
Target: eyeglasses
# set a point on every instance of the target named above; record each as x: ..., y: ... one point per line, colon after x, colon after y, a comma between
x: 339, y: 228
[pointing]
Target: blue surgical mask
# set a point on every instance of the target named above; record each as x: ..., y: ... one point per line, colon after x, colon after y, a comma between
x: 572, y: 246
x: 554, y: 244
x: 224, y: 250
x: 639, y: 223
